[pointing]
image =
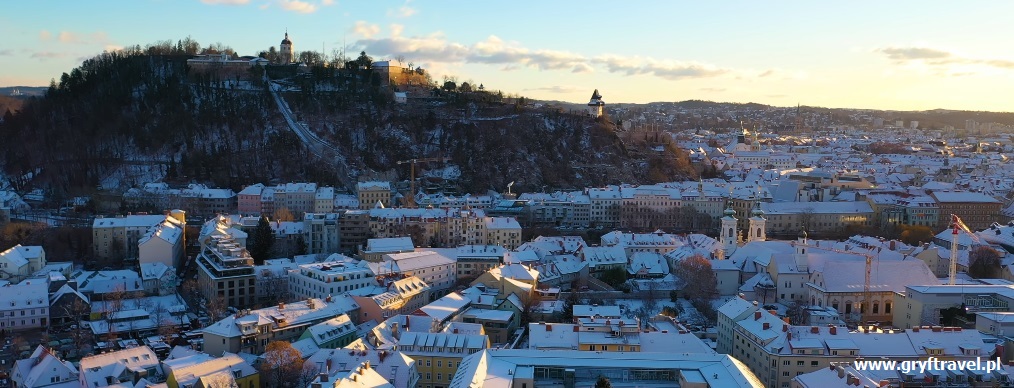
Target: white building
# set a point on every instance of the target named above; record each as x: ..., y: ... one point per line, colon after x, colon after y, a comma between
x: 24, y: 306
x: 434, y: 268
x: 19, y: 262
x: 162, y: 243
x: 335, y: 275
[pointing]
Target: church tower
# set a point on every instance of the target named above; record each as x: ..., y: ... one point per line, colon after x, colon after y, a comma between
x: 595, y: 105
x: 285, y: 53
x: 728, y: 236
x: 757, y: 225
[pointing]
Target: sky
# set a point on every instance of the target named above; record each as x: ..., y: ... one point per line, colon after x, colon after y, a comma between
x: 892, y: 55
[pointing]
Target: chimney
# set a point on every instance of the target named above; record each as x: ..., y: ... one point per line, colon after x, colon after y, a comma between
x: 834, y: 330
x: 788, y: 336
x: 455, y: 330
x: 323, y: 377
x: 328, y: 299
x: 814, y: 329
x: 756, y: 315
x: 328, y: 365
x: 915, y: 329
x: 367, y: 364
x: 767, y: 325
x: 281, y: 305
x: 549, y: 327
x: 577, y: 328
x: 785, y: 328
x: 891, y: 247
x: 937, y: 329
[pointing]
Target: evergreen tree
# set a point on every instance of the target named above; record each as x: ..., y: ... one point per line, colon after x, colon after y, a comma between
x: 263, y: 240
x: 603, y: 382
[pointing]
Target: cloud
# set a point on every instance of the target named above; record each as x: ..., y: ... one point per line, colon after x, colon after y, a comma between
x: 364, y: 29
x: 671, y: 70
x: 297, y: 6
x: 327, y: 2
x: 555, y: 89
x: 48, y: 55
x: 913, y: 53
x: 712, y: 90
x: 509, y: 56
x: 397, y: 29
x: 766, y: 73
x: 6, y: 52
x: 226, y: 2
x: 97, y: 37
x: 942, y: 59
x: 45, y: 35
x: 402, y: 12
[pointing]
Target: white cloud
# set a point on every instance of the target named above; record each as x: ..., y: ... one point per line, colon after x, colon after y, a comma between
x: 364, y: 29
x: 402, y: 12
x: 327, y: 2
x: 943, y: 61
x: 512, y: 55
x: 45, y: 35
x: 397, y: 29
x: 297, y: 6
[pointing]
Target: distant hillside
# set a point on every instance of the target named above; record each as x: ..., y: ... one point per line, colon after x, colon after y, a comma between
x: 142, y: 114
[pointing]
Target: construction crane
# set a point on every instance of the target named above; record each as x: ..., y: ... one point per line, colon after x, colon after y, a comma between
x: 956, y: 225
x: 412, y: 182
x: 865, y: 308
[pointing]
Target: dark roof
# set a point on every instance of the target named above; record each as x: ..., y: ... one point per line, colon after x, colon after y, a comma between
x: 596, y: 95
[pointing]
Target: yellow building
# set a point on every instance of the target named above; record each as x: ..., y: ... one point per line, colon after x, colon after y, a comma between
x: 189, y: 368
x: 438, y: 355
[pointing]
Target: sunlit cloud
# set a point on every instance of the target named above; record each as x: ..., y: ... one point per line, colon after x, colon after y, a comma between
x: 327, y: 2
x: 98, y: 37
x: 45, y: 35
x: 364, y: 29
x: 397, y: 29
x: 226, y: 2
x: 712, y: 90
x: 956, y: 64
x: 297, y: 6
x: 512, y: 56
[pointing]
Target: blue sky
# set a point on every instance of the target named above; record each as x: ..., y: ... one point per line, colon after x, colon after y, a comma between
x: 863, y: 54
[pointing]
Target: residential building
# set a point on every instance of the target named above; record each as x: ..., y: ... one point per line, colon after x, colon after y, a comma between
x: 921, y: 305
x: 43, y: 368
x: 353, y: 231
x: 978, y: 211
x: 188, y: 368
x: 520, y: 368
x: 395, y: 367
x: 502, y: 231
x: 433, y: 268
x: 320, y: 233
x: 335, y: 275
x: 472, y: 260
x: 334, y: 333
x: 376, y: 248
x: 19, y: 262
x: 438, y: 355
x: 158, y: 279
x: 399, y: 296
x: 126, y: 366
x: 788, y: 218
x: 372, y: 193
x: 25, y: 305
x: 225, y: 270
x: 250, y: 331
x: 164, y: 243
x: 778, y: 352
x: 117, y: 237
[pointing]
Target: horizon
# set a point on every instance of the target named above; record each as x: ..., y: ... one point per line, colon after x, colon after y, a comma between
x: 891, y: 59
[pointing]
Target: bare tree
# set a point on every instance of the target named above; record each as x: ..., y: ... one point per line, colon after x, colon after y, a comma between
x: 699, y: 280
x: 282, y: 365
x: 215, y: 307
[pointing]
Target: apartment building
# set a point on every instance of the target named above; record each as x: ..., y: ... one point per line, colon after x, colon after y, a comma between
x: 370, y: 193
x: 25, y: 305
x: 335, y: 275
x: 438, y: 355
x: 320, y: 233
x: 777, y: 352
x: 226, y: 270
x: 250, y: 331
x: 117, y: 237
x: 976, y: 210
x: 401, y: 296
x: 432, y: 267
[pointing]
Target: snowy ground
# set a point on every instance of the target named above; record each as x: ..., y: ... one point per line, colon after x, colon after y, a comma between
x: 131, y: 175
x: 690, y: 315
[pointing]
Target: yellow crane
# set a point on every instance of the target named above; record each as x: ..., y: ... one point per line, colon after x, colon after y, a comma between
x: 413, y: 162
x: 957, y: 225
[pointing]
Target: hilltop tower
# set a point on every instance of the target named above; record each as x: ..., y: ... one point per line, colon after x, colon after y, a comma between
x: 595, y: 105
x: 285, y: 53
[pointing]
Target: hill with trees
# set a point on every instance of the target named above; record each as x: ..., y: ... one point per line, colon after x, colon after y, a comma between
x: 146, y: 108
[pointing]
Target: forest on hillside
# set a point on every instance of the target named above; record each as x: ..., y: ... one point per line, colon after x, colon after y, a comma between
x: 146, y: 106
